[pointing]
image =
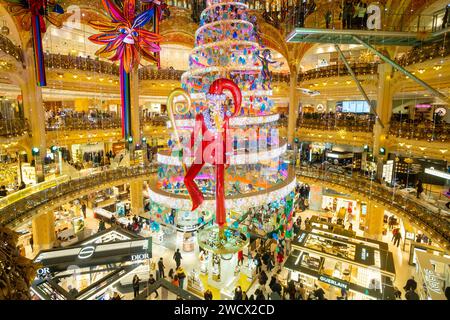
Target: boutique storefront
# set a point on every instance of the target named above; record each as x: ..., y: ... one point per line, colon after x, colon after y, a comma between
x: 342, y: 265
x: 94, y: 268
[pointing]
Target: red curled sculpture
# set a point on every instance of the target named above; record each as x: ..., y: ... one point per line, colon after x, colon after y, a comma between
x: 213, y: 146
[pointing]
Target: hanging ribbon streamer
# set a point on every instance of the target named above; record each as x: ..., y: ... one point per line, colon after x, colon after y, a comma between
x: 159, y: 7
x: 31, y: 14
x: 39, y: 62
x: 126, y: 41
x: 125, y: 94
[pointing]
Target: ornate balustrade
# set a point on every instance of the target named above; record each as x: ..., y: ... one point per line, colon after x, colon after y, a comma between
x: 420, y: 130
x: 429, y: 220
x: 9, y: 48
x: 13, y: 127
x: 14, y: 213
x: 334, y: 122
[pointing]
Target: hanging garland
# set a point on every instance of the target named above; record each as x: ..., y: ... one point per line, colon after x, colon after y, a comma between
x: 31, y: 14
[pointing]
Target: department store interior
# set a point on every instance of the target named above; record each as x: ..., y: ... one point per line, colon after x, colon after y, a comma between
x: 225, y: 149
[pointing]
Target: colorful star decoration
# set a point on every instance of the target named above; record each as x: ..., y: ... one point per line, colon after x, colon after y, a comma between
x: 124, y: 38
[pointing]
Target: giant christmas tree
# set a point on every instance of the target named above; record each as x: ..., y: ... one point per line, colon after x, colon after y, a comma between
x: 258, y: 183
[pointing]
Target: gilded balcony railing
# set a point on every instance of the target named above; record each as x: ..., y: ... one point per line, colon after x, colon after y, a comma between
x: 428, y: 219
x: 12, y: 213
x: 420, y: 130
x: 13, y: 127
x: 335, y: 122
x: 9, y: 48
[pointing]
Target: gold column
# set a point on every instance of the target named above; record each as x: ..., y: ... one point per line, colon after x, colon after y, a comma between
x: 43, y: 227
x: 374, y: 221
x: 293, y: 105
x: 384, y: 110
x: 137, y: 197
x: 35, y: 113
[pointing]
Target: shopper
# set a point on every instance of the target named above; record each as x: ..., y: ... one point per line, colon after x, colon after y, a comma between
x: 22, y: 185
x: 31, y: 243
x: 3, y: 192
x: 347, y: 14
x: 116, y: 296
x: 397, y: 294
x: 237, y: 293
x: 276, y: 287
x: 161, y: 268
x: 151, y: 281
x: 208, y: 295
x: 410, y: 284
x: 328, y: 16
x: 136, y: 282
x: 263, y: 278
x: 171, y: 273
x: 412, y: 295
x: 270, y: 263
x: 301, y: 292
x: 291, y: 290
x: 83, y: 209
x: 101, y: 226
x: 176, y: 281
x: 240, y: 258
x: 319, y: 293
x: 280, y: 257
x: 181, y: 276
x: 259, y: 295
x: 177, y: 257
x: 419, y: 187
x: 244, y: 295
x: 397, y: 238
x: 445, y: 19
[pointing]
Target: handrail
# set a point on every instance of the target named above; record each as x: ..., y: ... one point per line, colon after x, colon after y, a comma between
x: 337, y: 70
x: 427, y: 219
x: 424, y: 130
x: 13, y: 127
x: 331, y: 122
x: 24, y: 193
x: 8, y: 47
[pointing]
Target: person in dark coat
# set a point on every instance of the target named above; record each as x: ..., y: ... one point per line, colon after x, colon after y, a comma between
x: 161, y: 268
x: 259, y: 295
x: 177, y: 257
x: 136, y: 281
x: 410, y: 284
x: 263, y: 278
x: 208, y: 295
x: 238, y: 293
x: 412, y: 295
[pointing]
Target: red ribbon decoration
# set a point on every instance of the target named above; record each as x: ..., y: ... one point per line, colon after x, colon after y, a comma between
x: 217, y: 87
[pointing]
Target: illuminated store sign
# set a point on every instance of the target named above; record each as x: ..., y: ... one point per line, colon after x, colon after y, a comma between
x: 140, y: 257
x: 301, y: 238
x: 86, y: 252
x: 437, y: 173
x: 333, y: 282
